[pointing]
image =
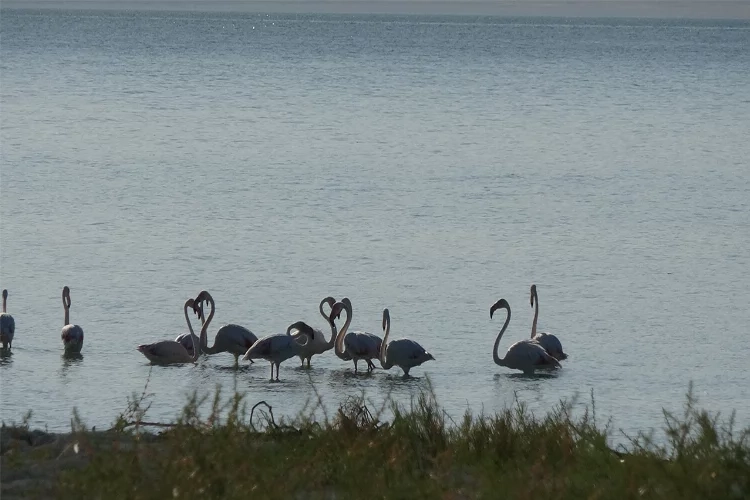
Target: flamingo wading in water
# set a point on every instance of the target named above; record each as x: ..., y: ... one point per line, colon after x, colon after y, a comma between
x: 169, y: 352
x: 72, y: 335
x: 524, y: 355
x: 189, y: 339
x: 316, y: 343
x: 550, y: 343
x: 276, y: 348
x: 355, y: 345
x: 7, y: 325
x: 403, y: 353
x: 234, y: 339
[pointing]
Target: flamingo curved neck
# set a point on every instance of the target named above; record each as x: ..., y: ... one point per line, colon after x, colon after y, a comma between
x: 204, y: 328
x: 342, y: 333
x: 384, y: 344
x: 189, y: 303
x: 204, y: 331
x: 305, y: 333
x: 5, y: 296
x: 536, y: 314
x: 187, y: 318
x: 66, y: 306
x: 332, y: 341
x: 498, y: 360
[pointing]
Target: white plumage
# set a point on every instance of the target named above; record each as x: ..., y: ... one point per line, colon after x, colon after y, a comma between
x: 231, y: 338
x: 72, y: 335
x: 167, y: 352
x: 189, y: 339
x: 354, y: 345
x: 275, y: 349
x: 524, y: 355
x: 316, y: 343
x: 404, y: 353
x: 550, y: 343
x: 7, y: 325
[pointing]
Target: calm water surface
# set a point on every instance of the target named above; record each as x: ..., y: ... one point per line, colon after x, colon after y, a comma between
x: 431, y: 165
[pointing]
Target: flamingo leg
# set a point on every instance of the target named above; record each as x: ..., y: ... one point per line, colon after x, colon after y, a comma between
x: 271, y: 371
x: 277, y: 371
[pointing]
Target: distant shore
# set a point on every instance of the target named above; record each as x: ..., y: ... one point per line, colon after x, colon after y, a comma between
x: 676, y: 9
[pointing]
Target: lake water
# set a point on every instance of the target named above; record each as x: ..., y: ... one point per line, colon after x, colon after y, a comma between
x: 431, y: 165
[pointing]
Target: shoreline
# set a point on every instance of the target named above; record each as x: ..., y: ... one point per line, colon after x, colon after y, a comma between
x: 729, y: 10
x: 420, y: 450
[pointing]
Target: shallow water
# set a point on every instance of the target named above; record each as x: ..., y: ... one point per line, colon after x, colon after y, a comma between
x: 431, y: 165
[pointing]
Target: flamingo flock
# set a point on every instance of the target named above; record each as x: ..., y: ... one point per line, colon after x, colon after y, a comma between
x: 541, y: 351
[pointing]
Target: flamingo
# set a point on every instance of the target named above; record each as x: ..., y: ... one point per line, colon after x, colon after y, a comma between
x: 169, y: 352
x: 72, y: 335
x: 403, y: 353
x: 7, y: 325
x: 276, y: 349
x: 316, y: 343
x: 550, y: 343
x: 234, y: 339
x: 188, y: 340
x: 524, y: 355
x: 354, y: 345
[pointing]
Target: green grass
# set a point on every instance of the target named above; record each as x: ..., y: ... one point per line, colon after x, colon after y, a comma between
x: 235, y: 451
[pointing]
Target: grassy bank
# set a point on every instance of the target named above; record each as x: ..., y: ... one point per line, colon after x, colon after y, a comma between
x: 419, y: 453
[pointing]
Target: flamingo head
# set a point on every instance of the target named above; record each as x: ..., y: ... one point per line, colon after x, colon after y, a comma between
x: 66, y: 296
x: 303, y: 328
x: 5, y: 294
x: 202, y: 297
x: 197, y: 308
x: 336, y: 310
x: 500, y: 304
x: 330, y: 301
x: 386, y: 317
x: 532, y: 295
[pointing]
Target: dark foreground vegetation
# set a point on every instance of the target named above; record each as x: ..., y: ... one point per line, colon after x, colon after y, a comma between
x: 236, y: 451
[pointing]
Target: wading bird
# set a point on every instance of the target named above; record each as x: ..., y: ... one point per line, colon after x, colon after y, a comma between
x: 550, y: 343
x: 72, y: 335
x: 276, y: 349
x: 316, y: 344
x: 188, y: 340
x: 524, y: 355
x: 234, y: 339
x: 7, y: 325
x: 403, y: 353
x: 169, y: 352
x: 354, y: 345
